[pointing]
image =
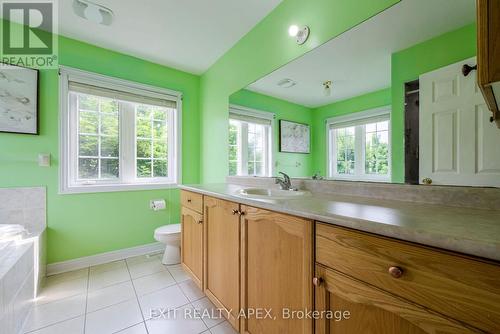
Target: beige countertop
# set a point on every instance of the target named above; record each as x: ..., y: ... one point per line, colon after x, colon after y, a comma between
x: 465, y: 230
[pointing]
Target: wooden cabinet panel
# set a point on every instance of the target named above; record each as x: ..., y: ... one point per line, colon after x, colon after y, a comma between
x: 192, y: 244
x: 192, y: 201
x: 458, y: 287
x: 222, y: 256
x: 277, y: 270
x: 371, y: 310
x: 488, y: 52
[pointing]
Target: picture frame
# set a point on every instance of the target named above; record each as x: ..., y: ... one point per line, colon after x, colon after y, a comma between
x: 294, y: 137
x: 19, y: 99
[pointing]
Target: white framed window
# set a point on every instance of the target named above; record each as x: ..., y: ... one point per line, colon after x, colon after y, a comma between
x: 117, y: 135
x: 250, y: 142
x: 359, y: 146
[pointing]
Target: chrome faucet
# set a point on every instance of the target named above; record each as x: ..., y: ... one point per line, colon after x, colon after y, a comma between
x: 285, y: 183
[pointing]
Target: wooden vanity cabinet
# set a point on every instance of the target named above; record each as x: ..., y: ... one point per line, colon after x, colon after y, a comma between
x: 377, y: 277
x: 488, y: 54
x: 192, y: 236
x: 222, y: 256
x: 277, y: 268
x: 356, y: 307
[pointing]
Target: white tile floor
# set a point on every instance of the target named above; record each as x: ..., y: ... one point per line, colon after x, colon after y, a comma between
x: 118, y: 297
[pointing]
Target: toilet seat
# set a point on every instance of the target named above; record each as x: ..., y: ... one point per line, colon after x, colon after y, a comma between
x: 168, y: 229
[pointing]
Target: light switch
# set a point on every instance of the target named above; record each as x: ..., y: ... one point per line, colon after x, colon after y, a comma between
x: 44, y: 159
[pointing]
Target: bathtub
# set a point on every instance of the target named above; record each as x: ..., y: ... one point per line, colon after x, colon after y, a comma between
x: 22, y: 255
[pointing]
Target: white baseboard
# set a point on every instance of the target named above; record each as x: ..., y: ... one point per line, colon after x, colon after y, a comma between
x: 87, y: 261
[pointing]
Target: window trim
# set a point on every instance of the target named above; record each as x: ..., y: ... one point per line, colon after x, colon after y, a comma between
x: 67, y: 74
x: 356, y: 119
x: 250, y: 112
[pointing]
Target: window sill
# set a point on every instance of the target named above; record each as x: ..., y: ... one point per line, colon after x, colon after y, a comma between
x: 360, y: 179
x: 101, y: 188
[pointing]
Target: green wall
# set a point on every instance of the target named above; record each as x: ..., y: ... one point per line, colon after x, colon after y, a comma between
x: 294, y: 164
x: 265, y: 48
x: 320, y: 115
x: 87, y: 224
x: 408, y: 64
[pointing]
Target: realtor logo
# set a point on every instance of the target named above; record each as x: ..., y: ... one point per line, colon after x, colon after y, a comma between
x: 28, y: 33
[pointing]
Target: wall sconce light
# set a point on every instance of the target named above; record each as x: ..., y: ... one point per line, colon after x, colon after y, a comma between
x: 301, y: 34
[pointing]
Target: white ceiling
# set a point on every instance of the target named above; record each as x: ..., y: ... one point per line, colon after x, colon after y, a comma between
x: 359, y: 61
x: 189, y: 35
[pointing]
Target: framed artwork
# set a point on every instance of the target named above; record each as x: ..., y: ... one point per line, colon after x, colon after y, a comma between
x: 18, y: 99
x: 294, y: 137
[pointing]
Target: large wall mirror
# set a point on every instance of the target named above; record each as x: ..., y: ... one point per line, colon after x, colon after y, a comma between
x: 392, y: 100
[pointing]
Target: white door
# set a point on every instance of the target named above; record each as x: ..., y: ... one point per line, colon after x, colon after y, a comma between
x: 458, y: 144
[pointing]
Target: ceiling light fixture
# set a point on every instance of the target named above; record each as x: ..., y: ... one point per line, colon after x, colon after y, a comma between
x: 286, y: 83
x: 327, y: 88
x: 301, y: 34
x: 93, y: 12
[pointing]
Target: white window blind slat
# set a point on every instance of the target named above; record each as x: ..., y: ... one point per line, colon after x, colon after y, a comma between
x: 78, y: 87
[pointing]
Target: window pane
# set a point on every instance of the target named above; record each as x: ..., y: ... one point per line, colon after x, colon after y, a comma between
x: 88, y: 146
x: 251, y: 168
x: 88, y: 122
x: 259, y: 168
x: 109, y: 124
x: 110, y: 147
x: 233, y: 167
x: 143, y: 129
x: 109, y: 106
x: 160, y: 168
x: 143, y: 111
x: 143, y: 168
x: 345, y: 151
x: 88, y: 102
x: 377, y: 148
x: 143, y: 148
x: 88, y: 168
x: 159, y: 150
x: 160, y: 129
x: 109, y: 168
x: 233, y: 153
x: 160, y: 113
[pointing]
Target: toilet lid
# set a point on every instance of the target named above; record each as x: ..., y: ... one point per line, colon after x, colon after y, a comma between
x: 168, y: 229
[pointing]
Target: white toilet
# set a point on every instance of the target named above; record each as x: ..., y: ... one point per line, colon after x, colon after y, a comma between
x: 170, y: 235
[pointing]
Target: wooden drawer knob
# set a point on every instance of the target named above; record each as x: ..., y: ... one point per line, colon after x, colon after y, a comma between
x: 189, y: 200
x: 396, y: 272
x: 235, y: 212
x: 317, y: 281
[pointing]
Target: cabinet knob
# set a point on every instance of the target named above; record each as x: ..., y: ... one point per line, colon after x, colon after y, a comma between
x: 200, y: 221
x: 317, y: 281
x: 189, y: 200
x: 235, y: 211
x: 395, y: 272
x: 241, y: 213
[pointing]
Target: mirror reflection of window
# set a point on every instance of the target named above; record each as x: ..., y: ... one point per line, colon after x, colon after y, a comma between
x: 359, y: 146
x: 250, y: 143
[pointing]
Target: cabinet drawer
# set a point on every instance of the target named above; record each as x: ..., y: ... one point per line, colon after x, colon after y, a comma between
x: 462, y: 288
x: 192, y: 201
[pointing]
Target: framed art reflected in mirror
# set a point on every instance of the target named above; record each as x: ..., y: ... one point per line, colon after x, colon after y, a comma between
x: 294, y: 137
x: 18, y: 99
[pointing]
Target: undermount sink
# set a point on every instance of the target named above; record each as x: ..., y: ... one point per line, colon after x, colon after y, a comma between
x: 264, y: 193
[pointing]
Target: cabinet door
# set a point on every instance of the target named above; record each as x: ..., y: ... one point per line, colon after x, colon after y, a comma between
x: 277, y: 268
x: 222, y: 256
x: 371, y: 310
x: 192, y: 244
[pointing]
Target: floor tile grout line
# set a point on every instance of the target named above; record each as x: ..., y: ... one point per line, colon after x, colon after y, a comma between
x: 53, y: 324
x: 124, y: 329
x: 86, y: 301
x: 137, y: 298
